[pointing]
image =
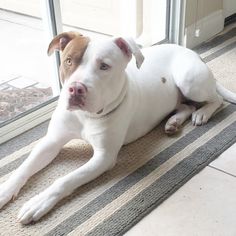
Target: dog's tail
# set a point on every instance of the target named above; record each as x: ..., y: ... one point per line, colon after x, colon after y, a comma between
x: 225, y: 93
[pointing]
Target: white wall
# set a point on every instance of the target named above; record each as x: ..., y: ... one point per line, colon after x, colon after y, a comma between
x: 204, y: 19
x: 229, y: 7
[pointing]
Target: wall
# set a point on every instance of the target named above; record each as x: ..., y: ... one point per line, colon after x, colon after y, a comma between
x: 229, y: 7
x: 204, y: 19
x: 198, y: 9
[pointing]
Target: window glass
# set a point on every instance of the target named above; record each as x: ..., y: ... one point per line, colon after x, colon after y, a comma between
x: 25, y: 75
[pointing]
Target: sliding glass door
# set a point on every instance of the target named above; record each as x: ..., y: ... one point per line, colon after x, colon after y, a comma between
x: 29, y: 82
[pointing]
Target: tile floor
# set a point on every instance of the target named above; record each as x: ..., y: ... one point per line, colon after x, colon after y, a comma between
x: 204, y: 206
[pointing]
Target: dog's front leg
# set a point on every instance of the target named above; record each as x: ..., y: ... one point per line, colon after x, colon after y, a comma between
x: 39, y: 205
x: 43, y: 153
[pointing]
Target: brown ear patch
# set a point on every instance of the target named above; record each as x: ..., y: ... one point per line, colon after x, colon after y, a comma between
x: 61, y: 40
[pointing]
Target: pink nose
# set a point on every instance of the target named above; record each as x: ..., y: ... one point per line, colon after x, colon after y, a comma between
x: 77, y: 89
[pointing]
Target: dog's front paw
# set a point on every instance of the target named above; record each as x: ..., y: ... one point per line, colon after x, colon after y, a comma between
x: 39, y: 205
x: 8, y: 191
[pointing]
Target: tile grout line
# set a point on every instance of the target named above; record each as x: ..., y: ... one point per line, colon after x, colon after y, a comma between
x: 6, y: 82
x: 225, y: 172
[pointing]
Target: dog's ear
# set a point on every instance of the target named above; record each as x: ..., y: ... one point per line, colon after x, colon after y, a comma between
x: 61, y: 40
x: 129, y: 47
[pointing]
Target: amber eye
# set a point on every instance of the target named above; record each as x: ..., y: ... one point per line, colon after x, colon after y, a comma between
x: 104, y: 66
x: 68, y: 61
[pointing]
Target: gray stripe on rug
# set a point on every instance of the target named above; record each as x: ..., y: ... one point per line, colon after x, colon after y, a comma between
x: 215, y: 41
x: 142, y: 204
x: 219, y: 52
x: 123, y: 185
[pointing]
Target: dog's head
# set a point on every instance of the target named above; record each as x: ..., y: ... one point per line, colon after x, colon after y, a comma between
x: 93, y: 72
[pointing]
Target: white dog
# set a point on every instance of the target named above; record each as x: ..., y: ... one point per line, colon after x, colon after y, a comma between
x: 108, y: 104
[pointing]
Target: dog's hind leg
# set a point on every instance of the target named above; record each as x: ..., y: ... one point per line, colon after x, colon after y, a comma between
x: 203, y: 90
x: 202, y: 115
x: 174, y: 122
x: 197, y: 84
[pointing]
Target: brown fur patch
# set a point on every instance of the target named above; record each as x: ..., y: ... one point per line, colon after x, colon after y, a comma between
x: 61, y: 40
x: 72, y: 53
x: 73, y: 45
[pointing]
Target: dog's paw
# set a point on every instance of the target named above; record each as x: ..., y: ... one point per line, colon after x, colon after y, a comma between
x: 5, y: 197
x: 199, y: 117
x: 38, y: 206
x: 8, y: 191
x: 172, y: 126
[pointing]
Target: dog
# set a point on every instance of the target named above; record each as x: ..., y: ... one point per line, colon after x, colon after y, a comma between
x: 110, y: 99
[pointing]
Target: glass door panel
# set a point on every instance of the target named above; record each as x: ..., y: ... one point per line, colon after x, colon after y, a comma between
x: 145, y: 20
x: 25, y: 75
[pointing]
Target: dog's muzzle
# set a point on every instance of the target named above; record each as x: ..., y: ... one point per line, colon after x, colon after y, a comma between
x: 77, y: 95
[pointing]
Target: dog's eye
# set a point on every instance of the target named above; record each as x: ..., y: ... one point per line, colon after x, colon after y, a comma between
x: 69, y: 61
x: 104, y: 66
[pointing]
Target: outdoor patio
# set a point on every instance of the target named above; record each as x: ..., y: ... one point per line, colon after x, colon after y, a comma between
x: 27, y: 83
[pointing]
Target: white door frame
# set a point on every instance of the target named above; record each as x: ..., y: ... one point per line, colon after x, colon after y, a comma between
x: 177, y: 21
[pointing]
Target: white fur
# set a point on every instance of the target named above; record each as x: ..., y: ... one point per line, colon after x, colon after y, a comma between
x: 132, y: 101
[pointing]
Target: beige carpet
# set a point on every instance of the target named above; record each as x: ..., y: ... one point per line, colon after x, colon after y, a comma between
x: 148, y: 170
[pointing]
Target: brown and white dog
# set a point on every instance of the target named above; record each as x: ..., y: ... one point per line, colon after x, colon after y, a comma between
x: 110, y: 100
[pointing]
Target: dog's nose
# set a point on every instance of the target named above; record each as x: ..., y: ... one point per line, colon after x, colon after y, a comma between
x: 77, y: 89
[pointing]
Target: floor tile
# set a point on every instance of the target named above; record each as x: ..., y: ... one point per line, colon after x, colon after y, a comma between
x: 205, y: 205
x: 7, y: 77
x: 4, y: 86
x: 22, y: 82
x: 227, y: 161
x: 41, y: 86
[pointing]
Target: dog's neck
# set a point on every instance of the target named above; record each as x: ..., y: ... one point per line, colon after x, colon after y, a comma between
x: 114, y: 104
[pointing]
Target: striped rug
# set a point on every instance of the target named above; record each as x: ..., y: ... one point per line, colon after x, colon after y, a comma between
x: 148, y: 171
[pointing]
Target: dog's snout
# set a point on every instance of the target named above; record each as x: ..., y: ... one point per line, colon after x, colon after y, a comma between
x: 77, y: 89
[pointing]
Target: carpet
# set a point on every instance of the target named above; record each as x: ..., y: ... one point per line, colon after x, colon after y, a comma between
x: 148, y: 170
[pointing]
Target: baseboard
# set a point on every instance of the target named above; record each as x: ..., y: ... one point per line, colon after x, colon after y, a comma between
x: 230, y: 19
x: 207, y: 26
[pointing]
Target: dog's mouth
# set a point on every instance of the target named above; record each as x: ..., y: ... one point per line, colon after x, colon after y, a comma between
x: 76, y: 103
